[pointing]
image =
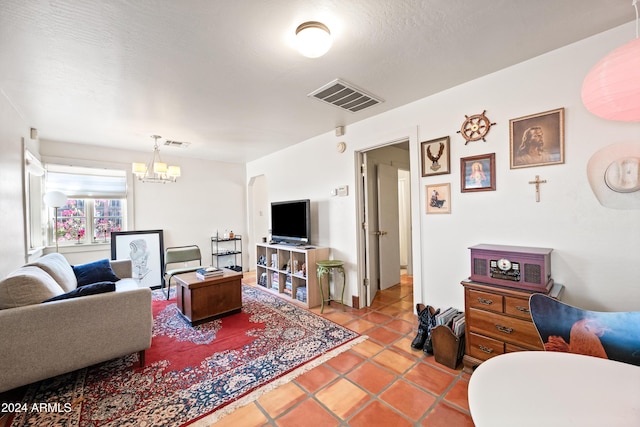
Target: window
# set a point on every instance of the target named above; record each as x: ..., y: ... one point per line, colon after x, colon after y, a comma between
x: 95, y: 205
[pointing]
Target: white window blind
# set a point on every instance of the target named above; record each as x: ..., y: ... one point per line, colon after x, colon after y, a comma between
x: 82, y: 182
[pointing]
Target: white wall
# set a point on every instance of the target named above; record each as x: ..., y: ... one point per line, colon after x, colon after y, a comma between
x: 596, y: 250
x: 209, y: 196
x: 13, y: 130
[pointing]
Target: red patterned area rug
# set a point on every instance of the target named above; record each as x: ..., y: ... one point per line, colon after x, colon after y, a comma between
x: 192, y: 373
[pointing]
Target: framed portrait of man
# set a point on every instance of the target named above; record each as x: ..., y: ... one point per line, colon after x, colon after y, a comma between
x: 537, y: 139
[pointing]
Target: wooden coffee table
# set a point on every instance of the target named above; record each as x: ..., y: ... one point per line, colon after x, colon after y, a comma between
x: 200, y: 301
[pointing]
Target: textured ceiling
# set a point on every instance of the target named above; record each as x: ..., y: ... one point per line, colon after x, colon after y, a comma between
x: 223, y: 75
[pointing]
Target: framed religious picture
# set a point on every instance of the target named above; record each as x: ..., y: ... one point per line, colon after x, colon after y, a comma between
x: 537, y: 140
x: 436, y: 156
x: 145, y: 249
x: 438, y: 198
x: 478, y: 173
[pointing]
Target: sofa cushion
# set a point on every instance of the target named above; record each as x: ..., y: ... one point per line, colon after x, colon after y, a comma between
x: 94, y: 272
x: 27, y: 285
x: 59, y: 268
x: 82, y: 291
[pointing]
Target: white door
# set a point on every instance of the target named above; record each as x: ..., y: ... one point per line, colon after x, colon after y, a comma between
x: 388, y: 230
x: 370, y: 217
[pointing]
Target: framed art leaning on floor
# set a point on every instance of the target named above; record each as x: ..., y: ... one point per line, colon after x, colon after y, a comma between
x: 145, y: 249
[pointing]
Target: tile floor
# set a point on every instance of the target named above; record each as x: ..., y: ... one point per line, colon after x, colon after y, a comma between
x: 379, y: 382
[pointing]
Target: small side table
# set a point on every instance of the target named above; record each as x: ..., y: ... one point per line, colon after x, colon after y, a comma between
x: 325, y: 267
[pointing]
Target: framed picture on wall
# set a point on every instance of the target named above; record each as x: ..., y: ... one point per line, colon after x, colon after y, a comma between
x: 438, y: 198
x: 145, y: 249
x: 436, y: 156
x: 478, y: 173
x: 537, y: 140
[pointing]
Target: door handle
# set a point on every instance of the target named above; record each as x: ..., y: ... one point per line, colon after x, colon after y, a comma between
x: 379, y: 233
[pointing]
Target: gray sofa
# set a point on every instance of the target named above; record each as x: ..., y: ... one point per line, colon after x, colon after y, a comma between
x: 41, y: 340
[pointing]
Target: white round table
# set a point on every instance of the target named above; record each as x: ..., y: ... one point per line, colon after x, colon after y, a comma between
x: 540, y: 388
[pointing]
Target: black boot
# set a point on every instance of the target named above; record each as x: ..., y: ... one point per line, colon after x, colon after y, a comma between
x: 430, y: 316
x: 421, y: 336
x: 425, y: 313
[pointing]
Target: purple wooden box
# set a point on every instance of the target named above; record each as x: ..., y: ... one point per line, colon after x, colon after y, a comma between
x: 518, y: 267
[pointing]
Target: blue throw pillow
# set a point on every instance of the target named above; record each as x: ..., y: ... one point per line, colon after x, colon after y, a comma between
x: 94, y: 272
x: 92, y: 289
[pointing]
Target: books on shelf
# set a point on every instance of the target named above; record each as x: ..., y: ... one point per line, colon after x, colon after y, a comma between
x: 208, y: 272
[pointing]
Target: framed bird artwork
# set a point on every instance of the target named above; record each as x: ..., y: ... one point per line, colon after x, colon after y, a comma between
x: 436, y: 156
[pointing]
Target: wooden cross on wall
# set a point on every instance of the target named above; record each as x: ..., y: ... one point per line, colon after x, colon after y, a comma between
x: 537, y: 182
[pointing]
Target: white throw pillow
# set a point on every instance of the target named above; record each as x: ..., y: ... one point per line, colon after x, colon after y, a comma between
x: 57, y: 266
x: 27, y: 285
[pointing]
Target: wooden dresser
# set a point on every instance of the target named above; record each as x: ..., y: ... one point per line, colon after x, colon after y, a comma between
x: 498, y: 321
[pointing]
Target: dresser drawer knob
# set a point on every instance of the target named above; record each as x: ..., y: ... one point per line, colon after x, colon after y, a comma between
x: 485, y: 301
x: 485, y: 349
x: 504, y: 329
x: 522, y: 309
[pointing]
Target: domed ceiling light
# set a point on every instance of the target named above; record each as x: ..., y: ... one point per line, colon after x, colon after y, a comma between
x: 611, y: 90
x: 313, y: 39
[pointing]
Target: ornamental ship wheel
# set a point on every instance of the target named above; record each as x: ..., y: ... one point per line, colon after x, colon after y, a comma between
x: 475, y: 127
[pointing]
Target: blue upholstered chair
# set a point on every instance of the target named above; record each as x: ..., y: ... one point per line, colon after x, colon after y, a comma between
x: 609, y: 335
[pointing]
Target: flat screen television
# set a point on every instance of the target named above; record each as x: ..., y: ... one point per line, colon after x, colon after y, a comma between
x: 290, y: 222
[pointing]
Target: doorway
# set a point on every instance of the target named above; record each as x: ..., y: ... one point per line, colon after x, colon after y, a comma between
x: 258, y: 214
x: 386, y: 243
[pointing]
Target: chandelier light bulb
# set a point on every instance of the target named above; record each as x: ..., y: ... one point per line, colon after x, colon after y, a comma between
x: 313, y: 39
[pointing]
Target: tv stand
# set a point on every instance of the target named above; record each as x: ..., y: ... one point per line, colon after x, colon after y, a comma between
x: 280, y: 270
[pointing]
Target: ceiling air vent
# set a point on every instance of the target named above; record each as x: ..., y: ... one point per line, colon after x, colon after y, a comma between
x: 345, y: 96
x: 176, y: 144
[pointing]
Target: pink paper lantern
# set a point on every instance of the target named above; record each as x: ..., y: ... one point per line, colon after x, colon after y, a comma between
x: 611, y: 90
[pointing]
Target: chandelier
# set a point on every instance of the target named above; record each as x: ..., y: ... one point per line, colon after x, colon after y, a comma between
x: 155, y: 170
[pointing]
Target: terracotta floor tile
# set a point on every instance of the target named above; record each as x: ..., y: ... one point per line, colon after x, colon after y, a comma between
x: 371, y: 377
x: 339, y: 317
x: 360, y: 326
x: 345, y: 362
x: 430, y: 378
x: 377, y: 318
x: 430, y: 359
x: 316, y: 378
x: 400, y: 326
x: 444, y: 415
x: 247, y: 416
x: 343, y: 397
x: 410, y: 317
x: 378, y: 382
x: 377, y: 414
x: 403, y: 305
x: 404, y: 345
x: 394, y: 361
x: 390, y: 310
x: 408, y: 399
x: 367, y: 348
x: 383, y: 335
x: 282, y: 398
x: 458, y: 395
x: 302, y: 415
